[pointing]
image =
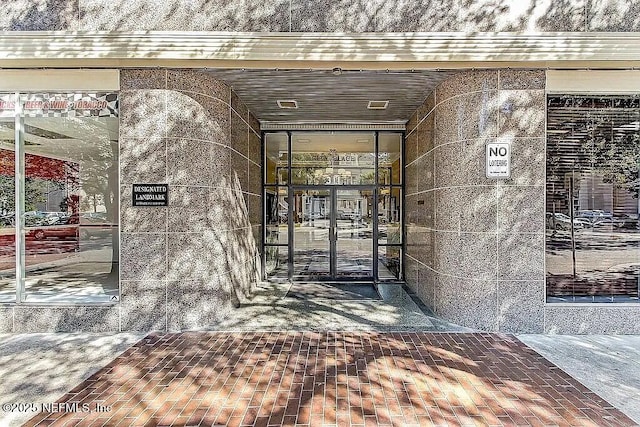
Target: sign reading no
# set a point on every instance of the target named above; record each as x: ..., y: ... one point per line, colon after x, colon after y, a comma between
x: 498, y: 160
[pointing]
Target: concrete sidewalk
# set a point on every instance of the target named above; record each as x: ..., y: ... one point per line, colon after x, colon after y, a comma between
x: 608, y: 365
x: 40, y: 368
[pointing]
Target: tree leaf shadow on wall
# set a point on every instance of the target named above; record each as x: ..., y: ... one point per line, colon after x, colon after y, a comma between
x: 330, y: 15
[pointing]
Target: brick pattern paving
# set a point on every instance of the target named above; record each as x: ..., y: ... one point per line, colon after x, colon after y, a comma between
x: 339, y: 378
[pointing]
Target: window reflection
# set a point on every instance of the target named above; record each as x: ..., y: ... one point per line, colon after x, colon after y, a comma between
x: 389, y: 215
x: 592, y: 229
x: 389, y: 262
x: 276, y: 158
x: 7, y: 200
x: 344, y: 192
x: 70, y: 196
x: 276, y: 214
x: 276, y: 258
x: 339, y: 158
x: 389, y: 160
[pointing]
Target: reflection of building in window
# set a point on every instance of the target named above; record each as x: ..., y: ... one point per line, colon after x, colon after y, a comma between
x: 593, y: 236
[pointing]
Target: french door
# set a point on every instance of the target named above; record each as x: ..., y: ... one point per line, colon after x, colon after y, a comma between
x: 332, y: 233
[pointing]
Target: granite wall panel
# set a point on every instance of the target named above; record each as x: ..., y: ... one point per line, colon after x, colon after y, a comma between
x: 525, y: 15
x: 521, y: 306
x: 483, y: 234
x: 195, y: 15
x: 520, y: 209
x: 38, y: 15
x: 516, y: 79
x: 144, y: 305
x: 143, y: 113
x: 527, y: 161
x: 411, y: 143
x: 255, y: 147
x: 581, y: 319
x: 522, y: 113
x: 461, y: 163
x: 143, y: 256
x: 521, y: 256
x: 239, y: 134
x: 466, y: 209
x: 467, y: 117
x: 466, y: 256
x: 140, y: 220
x: 613, y: 15
x: 427, y: 277
x: 426, y: 135
x: 189, y: 210
x: 425, y: 178
x: 6, y: 319
x: 469, y: 302
x: 332, y: 16
x: 488, y: 244
x: 30, y: 318
x: 143, y: 160
x: 326, y: 15
x: 195, y: 304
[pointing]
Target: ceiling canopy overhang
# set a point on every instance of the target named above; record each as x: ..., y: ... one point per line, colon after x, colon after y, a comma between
x: 66, y: 49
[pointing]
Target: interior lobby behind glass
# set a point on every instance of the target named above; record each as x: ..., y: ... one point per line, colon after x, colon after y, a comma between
x: 70, y: 204
x: 333, y: 205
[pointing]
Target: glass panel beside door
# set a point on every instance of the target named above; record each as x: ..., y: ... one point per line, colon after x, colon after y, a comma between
x: 354, y: 233
x: 311, y: 233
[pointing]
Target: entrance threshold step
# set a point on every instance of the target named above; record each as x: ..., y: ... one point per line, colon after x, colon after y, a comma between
x: 331, y: 290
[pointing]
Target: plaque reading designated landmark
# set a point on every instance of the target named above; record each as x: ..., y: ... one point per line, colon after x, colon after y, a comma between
x: 150, y: 194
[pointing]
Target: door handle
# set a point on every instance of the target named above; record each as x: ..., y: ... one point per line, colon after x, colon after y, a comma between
x: 333, y: 234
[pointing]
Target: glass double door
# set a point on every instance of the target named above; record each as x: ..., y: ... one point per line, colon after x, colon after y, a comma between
x: 333, y: 233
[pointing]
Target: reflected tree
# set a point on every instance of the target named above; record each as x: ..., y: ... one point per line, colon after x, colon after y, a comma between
x: 616, y: 159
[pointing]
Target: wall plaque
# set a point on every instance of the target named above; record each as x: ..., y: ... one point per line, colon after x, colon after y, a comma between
x: 150, y: 194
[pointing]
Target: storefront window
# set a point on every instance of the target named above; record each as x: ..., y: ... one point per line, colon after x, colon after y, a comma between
x: 69, y: 228
x: 592, y: 205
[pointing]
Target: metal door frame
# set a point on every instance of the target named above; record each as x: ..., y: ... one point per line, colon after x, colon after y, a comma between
x: 333, y: 230
x: 376, y: 186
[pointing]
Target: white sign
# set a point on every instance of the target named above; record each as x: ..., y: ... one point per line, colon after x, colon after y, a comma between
x: 498, y: 160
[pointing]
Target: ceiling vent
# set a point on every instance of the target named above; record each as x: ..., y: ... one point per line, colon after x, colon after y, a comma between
x: 378, y: 105
x: 287, y: 103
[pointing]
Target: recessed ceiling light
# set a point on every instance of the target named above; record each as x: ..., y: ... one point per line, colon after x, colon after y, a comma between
x: 363, y: 141
x: 378, y: 105
x: 287, y: 103
x: 303, y: 140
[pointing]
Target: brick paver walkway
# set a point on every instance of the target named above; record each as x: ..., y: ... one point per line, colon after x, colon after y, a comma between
x: 341, y: 378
